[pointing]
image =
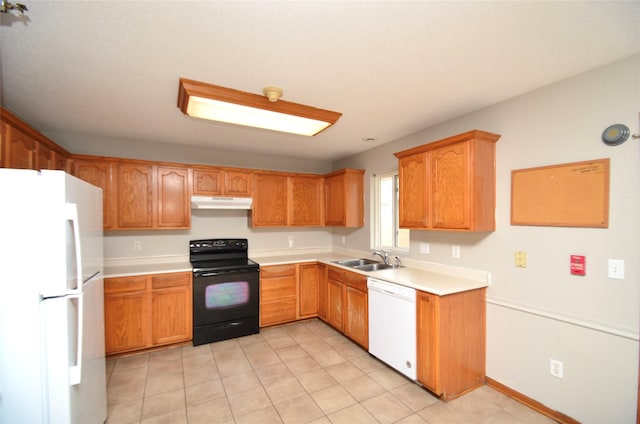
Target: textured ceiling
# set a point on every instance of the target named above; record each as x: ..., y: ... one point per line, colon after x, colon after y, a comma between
x: 392, y: 68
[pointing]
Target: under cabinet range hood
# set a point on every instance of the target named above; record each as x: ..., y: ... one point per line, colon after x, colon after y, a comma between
x: 208, y: 202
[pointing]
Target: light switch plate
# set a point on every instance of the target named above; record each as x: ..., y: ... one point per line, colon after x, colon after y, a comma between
x: 616, y: 269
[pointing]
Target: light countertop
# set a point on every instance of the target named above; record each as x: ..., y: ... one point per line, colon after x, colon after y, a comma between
x: 432, y: 278
x: 160, y: 267
x: 431, y: 281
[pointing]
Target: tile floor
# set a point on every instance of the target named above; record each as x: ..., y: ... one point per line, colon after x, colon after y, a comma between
x: 304, y: 372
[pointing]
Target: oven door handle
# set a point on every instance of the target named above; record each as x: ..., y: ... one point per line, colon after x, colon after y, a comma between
x: 217, y: 273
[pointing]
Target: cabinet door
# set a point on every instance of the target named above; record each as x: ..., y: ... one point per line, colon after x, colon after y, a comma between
x: 428, y: 344
x: 322, y: 292
x: 450, y: 186
x: 334, y: 206
x: 171, y: 308
x: 270, y: 200
x: 305, y: 201
x: 412, y: 172
x: 18, y: 149
x: 174, y: 207
x: 207, y: 182
x: 100, y: 174
x: 356, y: 322
x: 344, y: 198
x: 308, y: 282
x: 127, y: 304
x: 335, y: 314
x: 135, y: 195
x: 237, y: 184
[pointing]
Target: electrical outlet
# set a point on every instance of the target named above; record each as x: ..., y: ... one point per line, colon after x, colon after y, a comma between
x: 290, y: 242
x: 556, y: 368
x: 137, y: 246
x: 455, y: 251
x: 424, y: 248
x: 521, y: 259
x: 616, y: 269
x: 344, y: 239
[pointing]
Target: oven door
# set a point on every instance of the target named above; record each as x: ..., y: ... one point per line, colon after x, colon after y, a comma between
x: 221, y: 296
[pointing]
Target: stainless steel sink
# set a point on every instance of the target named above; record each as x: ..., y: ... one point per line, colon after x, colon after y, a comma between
x: 373, y: 267
x: 354, y: 263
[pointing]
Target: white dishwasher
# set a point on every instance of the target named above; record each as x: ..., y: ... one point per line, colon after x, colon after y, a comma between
x: 392, y: 325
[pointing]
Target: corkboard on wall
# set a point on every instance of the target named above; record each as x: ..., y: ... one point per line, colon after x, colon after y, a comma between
x: 567, y: 195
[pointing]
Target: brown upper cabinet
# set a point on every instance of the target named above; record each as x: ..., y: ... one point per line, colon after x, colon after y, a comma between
x: 305, y: 200
x: 221, y: 182
x: 99, y: 172
x: 344, y: 198
x: 137, y: 194
x: 449, y: 184
x: 270, y: 205
x: 281, y: 199
x: 22, y: 147
x: 152, y: 197
x: 174, y: 198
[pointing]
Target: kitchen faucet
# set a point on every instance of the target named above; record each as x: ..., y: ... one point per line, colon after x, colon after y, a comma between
x: 383, y: 254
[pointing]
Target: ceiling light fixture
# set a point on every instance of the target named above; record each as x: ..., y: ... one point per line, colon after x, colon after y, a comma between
x: 207, y: 101
x: 6, y: 6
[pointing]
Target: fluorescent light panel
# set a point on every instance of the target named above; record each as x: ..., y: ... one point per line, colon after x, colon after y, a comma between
x: 206, y: 101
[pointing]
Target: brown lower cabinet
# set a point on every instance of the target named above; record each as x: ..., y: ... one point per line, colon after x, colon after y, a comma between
x: 278, y: 299
x: 308, y: 284
x: 451, y: 342
x: 347, y: 304
x: 147, y: 311
x: 289, y: 292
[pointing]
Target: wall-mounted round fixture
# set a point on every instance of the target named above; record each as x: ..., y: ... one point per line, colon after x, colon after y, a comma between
x: 615, y: 134
x: 369, y: 139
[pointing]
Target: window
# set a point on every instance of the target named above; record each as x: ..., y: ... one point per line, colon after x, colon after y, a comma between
x: 387, y: 234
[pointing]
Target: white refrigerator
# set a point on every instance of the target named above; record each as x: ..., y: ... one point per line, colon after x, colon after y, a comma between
x: 52, y: 362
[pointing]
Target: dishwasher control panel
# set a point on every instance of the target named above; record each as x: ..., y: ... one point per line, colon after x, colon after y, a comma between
x: 391, y: 288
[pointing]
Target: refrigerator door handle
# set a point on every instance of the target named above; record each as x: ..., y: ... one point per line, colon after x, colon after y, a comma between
x: 75, y: 371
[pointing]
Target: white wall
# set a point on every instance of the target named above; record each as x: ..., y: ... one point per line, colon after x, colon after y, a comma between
x: 540, y: 312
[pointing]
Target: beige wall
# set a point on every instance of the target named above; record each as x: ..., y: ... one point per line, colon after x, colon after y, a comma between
x: 212, y: 224
x: 540, y: 312
x: 125, y: 148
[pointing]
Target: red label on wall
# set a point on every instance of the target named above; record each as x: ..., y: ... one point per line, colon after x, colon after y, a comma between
x: 578, y: 265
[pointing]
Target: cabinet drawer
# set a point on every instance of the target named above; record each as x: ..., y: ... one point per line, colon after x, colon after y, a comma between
x: 357, y: 281
x: 125, y: 284
x: 279, y: 311
x: 335, y: 274
x: 179, y: 279
x: 278, y: 271
x: 277, y: 288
